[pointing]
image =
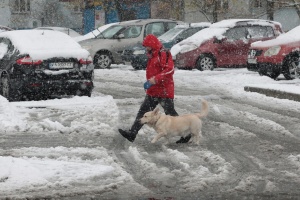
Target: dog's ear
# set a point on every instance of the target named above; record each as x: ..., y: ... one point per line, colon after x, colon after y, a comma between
x: 156, y: 110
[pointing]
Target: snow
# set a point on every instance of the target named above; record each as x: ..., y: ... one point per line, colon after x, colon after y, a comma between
x: 27, y: 169
x: 44, y: 44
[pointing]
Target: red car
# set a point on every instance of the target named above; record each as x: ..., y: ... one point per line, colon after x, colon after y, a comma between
x: 223, y: 44
x: 278, y: 56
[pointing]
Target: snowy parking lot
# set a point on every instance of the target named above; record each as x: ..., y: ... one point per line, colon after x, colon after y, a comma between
x: 70, y: 147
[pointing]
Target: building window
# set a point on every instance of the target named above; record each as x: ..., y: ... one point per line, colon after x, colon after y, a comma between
x: 257, y: 3
x: 21, y: 6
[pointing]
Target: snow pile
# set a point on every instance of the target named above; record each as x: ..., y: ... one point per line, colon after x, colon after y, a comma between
x: 11, y: 119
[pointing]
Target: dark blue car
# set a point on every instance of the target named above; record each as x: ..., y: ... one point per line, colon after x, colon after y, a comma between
x: 136, y: 55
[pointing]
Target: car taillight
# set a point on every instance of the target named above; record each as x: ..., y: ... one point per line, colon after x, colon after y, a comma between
x: 86, y: 61
x: 28, y: 61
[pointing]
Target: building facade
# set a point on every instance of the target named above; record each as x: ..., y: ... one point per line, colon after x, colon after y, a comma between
x: 27, y: 14
x: 86, y: 15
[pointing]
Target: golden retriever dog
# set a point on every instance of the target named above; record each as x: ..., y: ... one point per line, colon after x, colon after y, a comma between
x: 170, y: 126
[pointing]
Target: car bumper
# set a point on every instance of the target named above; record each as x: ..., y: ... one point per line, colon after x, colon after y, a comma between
x: 252, y: 67
x: 269, y: 67
x: 52, y: 87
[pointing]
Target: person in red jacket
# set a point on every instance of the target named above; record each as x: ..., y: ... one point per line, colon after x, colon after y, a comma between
x: 159, y: 86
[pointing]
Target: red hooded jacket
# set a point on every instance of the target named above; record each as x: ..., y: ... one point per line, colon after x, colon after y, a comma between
x: 159, y: 68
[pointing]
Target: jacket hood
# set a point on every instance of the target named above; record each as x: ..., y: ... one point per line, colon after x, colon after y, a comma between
x: 152, y: 41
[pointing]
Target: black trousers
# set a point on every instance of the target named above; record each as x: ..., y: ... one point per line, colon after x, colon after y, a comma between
x: 149, y: 104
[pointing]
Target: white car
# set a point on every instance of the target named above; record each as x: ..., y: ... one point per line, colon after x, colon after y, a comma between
x: 65, y: 30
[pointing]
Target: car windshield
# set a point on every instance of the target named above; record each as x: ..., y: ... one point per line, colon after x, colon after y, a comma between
x: 110, y: 32
x: 127, y: 31
x: 171, y: 34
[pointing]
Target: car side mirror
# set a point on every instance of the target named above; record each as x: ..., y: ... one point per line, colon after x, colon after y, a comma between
x: 219, y: 41
x: 179, y: 40
x: 121, y: 36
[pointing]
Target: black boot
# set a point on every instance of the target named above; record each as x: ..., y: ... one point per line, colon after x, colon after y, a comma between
x: 129, y: 135
x: 184, y: 139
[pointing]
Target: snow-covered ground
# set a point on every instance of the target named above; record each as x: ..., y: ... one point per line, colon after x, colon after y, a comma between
x: 33, y: 168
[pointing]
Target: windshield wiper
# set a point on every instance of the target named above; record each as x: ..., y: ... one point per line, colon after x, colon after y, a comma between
x: 101, y: 34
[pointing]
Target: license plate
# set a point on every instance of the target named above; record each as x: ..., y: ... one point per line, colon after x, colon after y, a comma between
x: 61, y: 65
x: 252, y: 61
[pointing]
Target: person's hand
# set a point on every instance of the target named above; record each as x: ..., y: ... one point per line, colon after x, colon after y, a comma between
x: 147, y: 85
x: 152, y: 81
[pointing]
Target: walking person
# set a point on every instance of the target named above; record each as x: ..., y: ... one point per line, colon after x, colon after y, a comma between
x: 159, y: 86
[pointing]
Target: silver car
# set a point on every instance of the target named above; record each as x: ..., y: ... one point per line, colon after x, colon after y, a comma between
x: 107, y: 48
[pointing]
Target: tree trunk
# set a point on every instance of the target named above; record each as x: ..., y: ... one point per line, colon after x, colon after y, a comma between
x: 215, y: 11
x: 297, y: 7
x: 270, y: 10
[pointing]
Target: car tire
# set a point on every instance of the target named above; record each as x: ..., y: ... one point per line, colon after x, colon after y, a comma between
x: 205, y: 62
x: 138, y: 67
x: 102, y: 61
x: 290, y: 67
x: 6, y: 90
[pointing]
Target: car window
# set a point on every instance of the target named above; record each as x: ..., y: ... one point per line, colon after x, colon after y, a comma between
x: 189, y: 32
x: 170, y: 25
x: 171, y: 34
x: 236, y: 33
x: 156, y: 28
x: 260, y: 31
x: 110, y: 32
x: 132, y: 31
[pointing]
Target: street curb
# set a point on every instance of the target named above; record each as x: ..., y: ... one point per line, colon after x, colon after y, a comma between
x: 273, y: 93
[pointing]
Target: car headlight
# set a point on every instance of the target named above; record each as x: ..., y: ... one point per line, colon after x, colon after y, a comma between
x: 139, y: 52
x: 272, y: 51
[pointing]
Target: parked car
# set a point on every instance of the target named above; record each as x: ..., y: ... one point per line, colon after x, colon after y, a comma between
x: 93, y: 34
x: 65, y: 30
x: 278, y: 56
x: 223, y: 44
x: 5, y: 28
x: 136, y: 55
x: 108, y: 47
x: 36, y: 64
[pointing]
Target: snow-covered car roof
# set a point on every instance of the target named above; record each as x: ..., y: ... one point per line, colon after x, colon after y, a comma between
x: 200, y: 24
x: 228, y: 23
x: 93, y: 33
x: 216, y: 30
x: 44, y: 44
x: 65, y: 30
x: 288, y: 37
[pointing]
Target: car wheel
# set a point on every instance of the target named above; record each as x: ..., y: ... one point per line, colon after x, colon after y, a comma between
x: 205, y: 62
x: 290, y: 67
x: 102, y: 60
x: 7, y: 91
x: 138, y: 67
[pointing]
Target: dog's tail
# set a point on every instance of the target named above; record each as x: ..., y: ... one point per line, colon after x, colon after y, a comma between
x: 204, y: 109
